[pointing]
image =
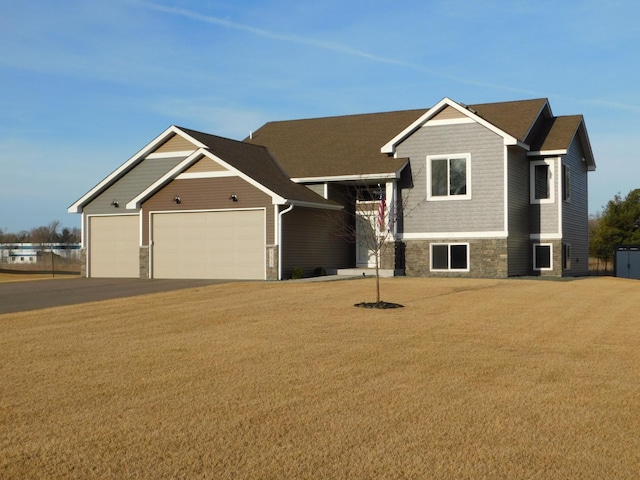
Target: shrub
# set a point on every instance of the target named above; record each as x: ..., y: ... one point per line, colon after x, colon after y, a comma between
x: 296, y: 274
x: 319, y: 272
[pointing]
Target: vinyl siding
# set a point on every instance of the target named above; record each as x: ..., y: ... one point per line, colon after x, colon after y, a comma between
x: 208, y: 194
x: 130, y: 185
x: 312, y: 238
x: 575, y: 212
x: 448, y: 113
x: 176, y: 144
x: 485, y: 210
x: 518, y: 245
x: 205, y: 165
x: 544, y: 217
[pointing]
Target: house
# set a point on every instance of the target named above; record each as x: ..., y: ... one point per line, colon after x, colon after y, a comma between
x: 490, y: 190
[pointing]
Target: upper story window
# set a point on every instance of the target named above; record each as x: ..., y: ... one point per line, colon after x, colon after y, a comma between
x: 541, y: 178
x: 449, y: 177
x: 566, y: 183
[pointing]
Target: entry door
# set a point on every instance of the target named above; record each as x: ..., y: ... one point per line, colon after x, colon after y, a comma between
x: 366, y: 234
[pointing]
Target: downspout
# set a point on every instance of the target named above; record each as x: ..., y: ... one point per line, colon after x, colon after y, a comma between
x: 286, y: 210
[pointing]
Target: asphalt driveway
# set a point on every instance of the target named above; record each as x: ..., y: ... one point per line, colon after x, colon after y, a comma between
x: 37, y: 294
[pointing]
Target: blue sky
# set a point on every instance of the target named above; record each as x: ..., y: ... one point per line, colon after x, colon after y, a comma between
x: 85, y: 84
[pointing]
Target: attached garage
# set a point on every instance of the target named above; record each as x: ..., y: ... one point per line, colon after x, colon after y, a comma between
x: 226, y: 244
x: 114, y: 246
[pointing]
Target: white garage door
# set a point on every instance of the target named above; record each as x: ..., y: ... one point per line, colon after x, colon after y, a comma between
x: 114, y: 246
x: 228, y: 244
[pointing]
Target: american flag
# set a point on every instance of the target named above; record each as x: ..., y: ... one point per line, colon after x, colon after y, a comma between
x: 381, y: 208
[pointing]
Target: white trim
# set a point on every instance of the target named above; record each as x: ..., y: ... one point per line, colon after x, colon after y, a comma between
x: 550, y: 162
x: 449, y: 269
x: 122, y: 169
x: 88, y: 252
x: 547, y: 269
x: 505, y: 188
x: 183, y: 153
x: 543, y: 153
x: 186, y: 176
x: 451, y: 235
x: 300, y: 203
x: 342, y: 178
x: 545, y: 236
x: 325, y: 190
x: 390, y: 147
x: 447, y: 197
x: 450, y: 121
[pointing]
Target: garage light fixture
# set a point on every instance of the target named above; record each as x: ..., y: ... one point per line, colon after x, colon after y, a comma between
x: 233, y: 197
x: 115, y: 204
x: 177, y: 199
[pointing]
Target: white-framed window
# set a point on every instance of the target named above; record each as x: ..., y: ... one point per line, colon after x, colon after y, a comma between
x: 449, y: 257
x: 566, y: 256
x: 449, y: 177
x: 566, y: 183
x: 541, y: 181
x: 543, y: 256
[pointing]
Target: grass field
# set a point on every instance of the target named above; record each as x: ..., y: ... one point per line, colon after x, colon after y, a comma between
x: 471, y: 379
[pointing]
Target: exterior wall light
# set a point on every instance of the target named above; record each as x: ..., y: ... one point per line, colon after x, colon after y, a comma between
x: 177, y: 199
x: 115, y: 204
x: 233, y: 197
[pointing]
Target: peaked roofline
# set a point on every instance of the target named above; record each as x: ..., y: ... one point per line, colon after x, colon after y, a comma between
x: 125, y: 167
x: 390, y: 147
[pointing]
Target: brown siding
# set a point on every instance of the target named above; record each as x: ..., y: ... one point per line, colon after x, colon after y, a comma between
x: 176, y: 144
x: 312, y: 238
x: 205, y: 165
x: 208, y: 194
x: 448, y: 113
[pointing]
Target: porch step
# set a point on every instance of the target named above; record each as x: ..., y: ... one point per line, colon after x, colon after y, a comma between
x: 367, y: 272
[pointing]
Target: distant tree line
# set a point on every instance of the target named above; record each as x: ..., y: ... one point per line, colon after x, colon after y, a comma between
x: 51, y: 233
x: 618, y: 224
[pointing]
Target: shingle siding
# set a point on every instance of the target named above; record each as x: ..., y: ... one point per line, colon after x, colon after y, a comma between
x: 485, y: 210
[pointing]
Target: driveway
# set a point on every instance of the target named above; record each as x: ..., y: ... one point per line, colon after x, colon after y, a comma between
x: 33, y: 295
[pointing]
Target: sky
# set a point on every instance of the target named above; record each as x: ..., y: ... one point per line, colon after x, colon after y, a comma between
x: 85, y: 84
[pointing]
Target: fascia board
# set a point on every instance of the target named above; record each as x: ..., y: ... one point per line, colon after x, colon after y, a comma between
x: 390, y: 147
x: 344, y: 178
x: 118, y: 172
x: 323, y: 206
x: 546, y: 153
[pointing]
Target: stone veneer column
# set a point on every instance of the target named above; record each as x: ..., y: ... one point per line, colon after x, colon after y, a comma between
x: 144, y: 261
x: 272, y: 262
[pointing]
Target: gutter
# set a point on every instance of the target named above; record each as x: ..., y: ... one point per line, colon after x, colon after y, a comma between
x: 280, y: 215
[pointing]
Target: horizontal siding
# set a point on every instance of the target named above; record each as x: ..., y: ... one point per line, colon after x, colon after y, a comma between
x: 130, y: 185
x: 208, y: 194
x: 448, y: 113
x: 575, y: 212
x: 176, y: 144
x: 485, y: 210
x: 518, y: 245
x: 544, y: 217
x: 313, y: 238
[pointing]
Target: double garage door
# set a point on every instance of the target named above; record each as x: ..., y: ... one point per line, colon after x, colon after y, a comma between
x: 228, y: 244
x: 225, y: 245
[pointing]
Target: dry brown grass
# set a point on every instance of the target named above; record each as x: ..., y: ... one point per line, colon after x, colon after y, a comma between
x: 6, y: 277
x: 472, y: 379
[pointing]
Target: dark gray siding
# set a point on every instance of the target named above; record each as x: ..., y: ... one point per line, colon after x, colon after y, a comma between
x: 485, y: 210
x: 575, y: 212
x: 312, y: 238
x: 518, y: 245
x: 544, y: 217
x: 130, y: 185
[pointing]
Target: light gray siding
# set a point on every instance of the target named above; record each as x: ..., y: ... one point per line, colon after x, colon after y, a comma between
x: 130, y: 185
x: 575, y: 212
x: 518, y: 246
x: 484, y: 212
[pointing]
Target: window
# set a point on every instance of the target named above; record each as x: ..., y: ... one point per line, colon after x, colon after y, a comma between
x: 542, y: 181
x: 448, y: 177
x: 566, y: 183
x: 450, y: 257
x: 566, y: 256
x: 542, y: 256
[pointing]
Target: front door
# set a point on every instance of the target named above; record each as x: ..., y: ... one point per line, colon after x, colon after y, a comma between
x: 366, y: 234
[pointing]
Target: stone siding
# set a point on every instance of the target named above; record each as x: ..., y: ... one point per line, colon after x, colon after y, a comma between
x: 144, y: 261
x: 272, y: 262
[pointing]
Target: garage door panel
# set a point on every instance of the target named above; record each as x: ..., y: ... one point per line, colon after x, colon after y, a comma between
x: 227, y: 244
x: 114, y: 246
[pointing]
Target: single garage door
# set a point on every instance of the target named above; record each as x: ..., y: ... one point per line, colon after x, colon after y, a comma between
x: 229, y: 244
x: 114, y: 246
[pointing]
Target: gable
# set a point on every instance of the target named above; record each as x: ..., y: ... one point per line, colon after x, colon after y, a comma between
x: 205, y: 165
x: 448, y: 113
x: 176, y: 143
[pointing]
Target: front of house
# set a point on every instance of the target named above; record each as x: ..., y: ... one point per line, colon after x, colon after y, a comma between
x: 492, y: 190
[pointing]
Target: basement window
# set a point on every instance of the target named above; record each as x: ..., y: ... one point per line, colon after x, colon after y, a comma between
x: 447, y: 257
x: 542, y: 256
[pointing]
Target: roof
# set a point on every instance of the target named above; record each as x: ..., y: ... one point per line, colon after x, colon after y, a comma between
x: 335, y: 146
x: 257, y: 164
x: 515, y: 118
